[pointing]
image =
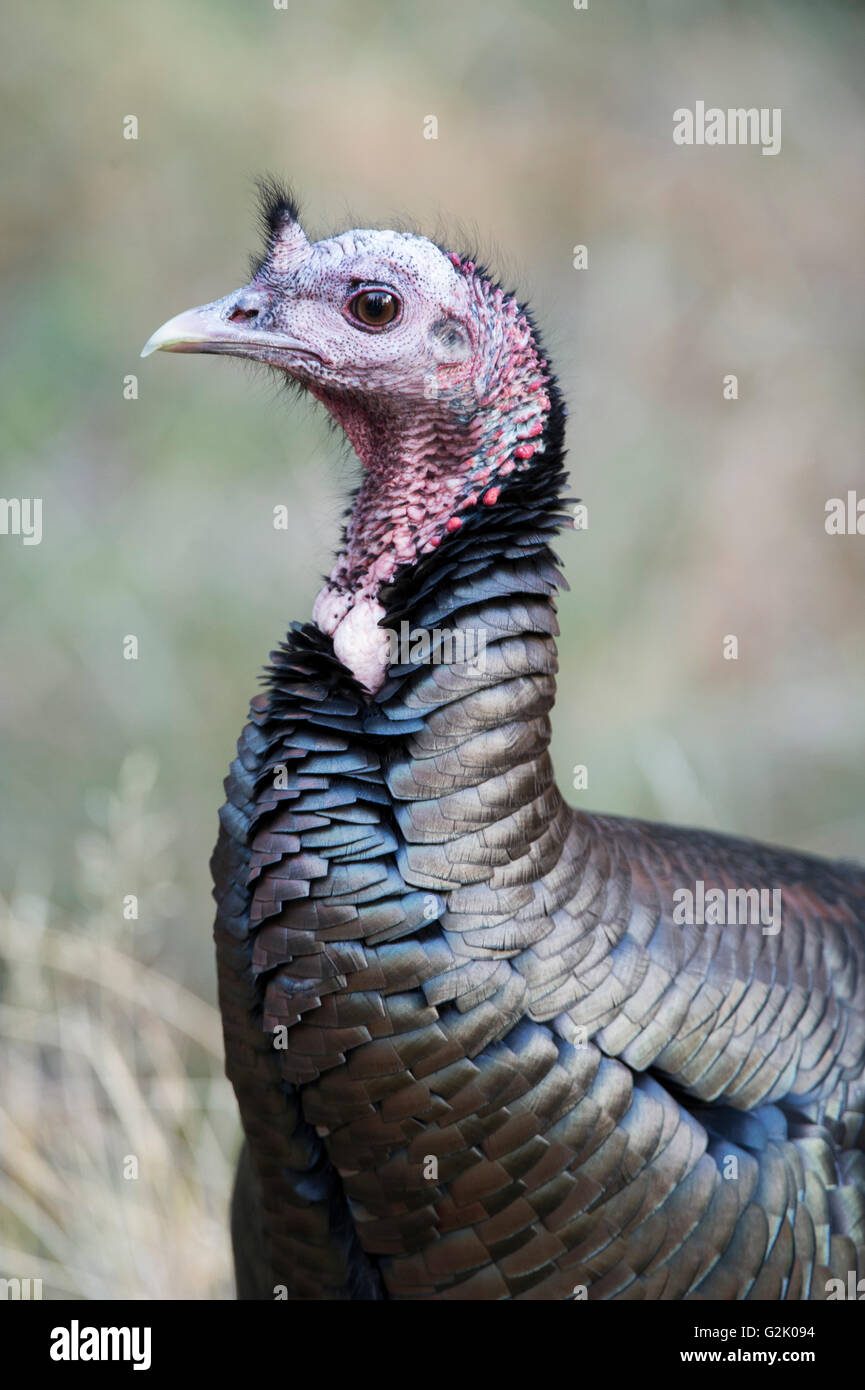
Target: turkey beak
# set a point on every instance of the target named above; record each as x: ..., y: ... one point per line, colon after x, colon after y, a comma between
x: 228, y: 325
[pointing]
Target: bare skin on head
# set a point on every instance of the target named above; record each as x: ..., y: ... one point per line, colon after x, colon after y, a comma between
x: 431, y: 371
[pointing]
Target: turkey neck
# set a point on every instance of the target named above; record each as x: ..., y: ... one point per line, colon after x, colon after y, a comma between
x: 462, y: 744
x: 476, y: 777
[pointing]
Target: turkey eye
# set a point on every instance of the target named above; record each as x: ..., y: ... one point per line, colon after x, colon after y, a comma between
x: 375, y: 308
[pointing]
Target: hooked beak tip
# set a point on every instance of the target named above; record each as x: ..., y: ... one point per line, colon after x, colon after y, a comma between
x: 186, y: 332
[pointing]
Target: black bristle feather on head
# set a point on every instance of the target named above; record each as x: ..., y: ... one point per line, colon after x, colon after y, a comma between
x: 276, y: 204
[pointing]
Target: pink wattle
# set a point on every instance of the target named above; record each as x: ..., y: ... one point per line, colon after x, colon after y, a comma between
x: 358, y: 641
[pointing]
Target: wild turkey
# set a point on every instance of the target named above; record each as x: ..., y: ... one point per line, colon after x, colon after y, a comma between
x: 475, y: 1053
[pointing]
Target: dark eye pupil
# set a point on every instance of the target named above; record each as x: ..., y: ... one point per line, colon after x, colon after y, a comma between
x: 375, y: 307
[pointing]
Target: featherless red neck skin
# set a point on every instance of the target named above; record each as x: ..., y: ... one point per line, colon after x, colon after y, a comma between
x: 432, y: 371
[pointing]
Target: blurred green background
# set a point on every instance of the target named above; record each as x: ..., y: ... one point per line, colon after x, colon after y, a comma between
x: 706, y: 517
